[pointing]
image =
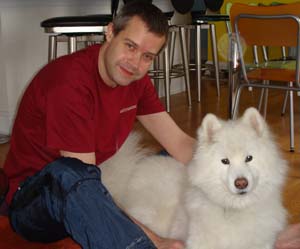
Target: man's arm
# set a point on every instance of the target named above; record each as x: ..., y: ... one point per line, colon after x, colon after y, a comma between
x: 89, y: 158
x: 169, y: 135
x: 289, y: 238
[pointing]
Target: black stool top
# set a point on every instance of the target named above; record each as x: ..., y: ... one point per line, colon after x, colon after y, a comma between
x: 3, y: 185
x: 182, y: 7
x: 169, y: 14
x: 200, y: 18
x: 77, y: 21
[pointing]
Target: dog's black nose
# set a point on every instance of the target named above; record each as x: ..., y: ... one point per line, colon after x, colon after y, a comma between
x: 241, y: 183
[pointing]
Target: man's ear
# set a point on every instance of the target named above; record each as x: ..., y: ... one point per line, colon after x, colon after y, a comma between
x: 109, y: 32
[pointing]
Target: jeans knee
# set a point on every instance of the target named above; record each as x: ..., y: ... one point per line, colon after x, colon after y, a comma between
x: 67, y: 172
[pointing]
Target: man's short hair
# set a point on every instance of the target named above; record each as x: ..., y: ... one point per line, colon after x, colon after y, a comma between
x: 151, y: 15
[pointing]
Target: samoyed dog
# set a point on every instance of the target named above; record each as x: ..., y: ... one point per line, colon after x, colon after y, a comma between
x: 227, y: 197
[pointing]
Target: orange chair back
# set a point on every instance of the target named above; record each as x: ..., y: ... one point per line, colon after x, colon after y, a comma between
x: 263, y: 31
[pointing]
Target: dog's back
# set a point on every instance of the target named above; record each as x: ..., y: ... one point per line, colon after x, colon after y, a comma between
x: 146, y: 186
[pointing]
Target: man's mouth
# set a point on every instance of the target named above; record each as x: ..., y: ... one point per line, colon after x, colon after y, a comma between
x: 126, y: 71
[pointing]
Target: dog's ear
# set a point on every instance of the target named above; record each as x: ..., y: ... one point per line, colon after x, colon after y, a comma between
x: 210, y: 125
x: 253, y: 118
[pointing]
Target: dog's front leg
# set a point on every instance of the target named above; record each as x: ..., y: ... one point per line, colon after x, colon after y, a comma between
x: 197, y: 239
x: 267, y: 246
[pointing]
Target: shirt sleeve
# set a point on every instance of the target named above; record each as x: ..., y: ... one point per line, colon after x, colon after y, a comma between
x: 149, y: 102
x: 70, y: 119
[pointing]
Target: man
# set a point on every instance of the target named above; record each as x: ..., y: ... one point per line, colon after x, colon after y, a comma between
x: 76, y: 113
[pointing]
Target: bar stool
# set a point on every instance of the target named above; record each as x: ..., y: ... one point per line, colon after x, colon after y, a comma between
x: 74, y: 29
x: 168, y: 72
x: 199, y: 22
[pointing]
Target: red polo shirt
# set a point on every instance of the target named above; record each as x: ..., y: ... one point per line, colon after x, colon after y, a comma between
x: 68, y: 107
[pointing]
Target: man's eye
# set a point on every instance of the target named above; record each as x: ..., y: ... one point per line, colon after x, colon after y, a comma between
x: 130, y: 46
x: 149, y: 57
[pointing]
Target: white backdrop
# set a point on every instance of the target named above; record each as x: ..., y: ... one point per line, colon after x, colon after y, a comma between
x: 24, y: 45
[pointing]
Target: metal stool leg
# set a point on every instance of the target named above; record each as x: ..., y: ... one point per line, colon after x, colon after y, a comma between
x: 72, y: 44
x: 198, y: 60
x: 156, y: 73
x: 52, y: 49
x: 212, y: 29
x: 167, y: 77
x: 172, y: 47
x: 185, y: 64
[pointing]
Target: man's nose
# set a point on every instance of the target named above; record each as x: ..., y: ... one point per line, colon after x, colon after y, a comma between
x: 135, y: 59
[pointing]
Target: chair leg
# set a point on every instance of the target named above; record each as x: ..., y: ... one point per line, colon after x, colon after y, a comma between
x: 266, y: 103
x: 232, y: 74
x: 286, y: 96
x: 212, y: 29
x: 264, y: 95
x: 261, y: 98
x: 236, y: 102
x: 266, y: 82
x: 292, y: 133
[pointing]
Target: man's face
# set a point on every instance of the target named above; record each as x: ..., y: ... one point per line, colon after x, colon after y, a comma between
x: 127, y: 56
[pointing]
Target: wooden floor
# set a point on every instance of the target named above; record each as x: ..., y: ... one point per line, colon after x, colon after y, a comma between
x: 189, y: 120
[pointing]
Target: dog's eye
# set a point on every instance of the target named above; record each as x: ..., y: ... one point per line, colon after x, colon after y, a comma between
x: 225, y: 161
x: 248, y: 158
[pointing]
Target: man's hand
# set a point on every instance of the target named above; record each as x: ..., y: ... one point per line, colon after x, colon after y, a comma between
x: 289, y: 238
x: 159, y: 242
x: 163, y: 243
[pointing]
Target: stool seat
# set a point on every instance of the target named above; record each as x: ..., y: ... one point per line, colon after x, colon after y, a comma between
x: 198, y: 17
x: 87, y: 29
x: 169, y: 14
x: 10, y: 240
x: 76, y: 24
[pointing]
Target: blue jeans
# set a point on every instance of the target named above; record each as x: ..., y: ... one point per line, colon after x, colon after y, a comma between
x: 67, y: 198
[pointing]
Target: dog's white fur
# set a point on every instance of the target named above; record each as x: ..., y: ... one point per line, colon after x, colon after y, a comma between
x: 228, y: 197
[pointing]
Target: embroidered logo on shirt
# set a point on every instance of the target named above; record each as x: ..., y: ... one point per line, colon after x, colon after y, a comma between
x: 126, y: 109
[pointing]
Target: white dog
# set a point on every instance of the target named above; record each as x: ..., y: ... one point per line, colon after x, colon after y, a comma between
x: 228, y: 197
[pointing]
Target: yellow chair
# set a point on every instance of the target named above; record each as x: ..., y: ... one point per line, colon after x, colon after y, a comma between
x: 270, y: 26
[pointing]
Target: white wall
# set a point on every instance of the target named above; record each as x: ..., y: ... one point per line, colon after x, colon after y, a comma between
x: 24, y: 45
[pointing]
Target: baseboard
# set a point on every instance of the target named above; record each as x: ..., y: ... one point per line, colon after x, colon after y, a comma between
x: 222, y: 65
x: 176, y: 86
x: 6, y: 120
